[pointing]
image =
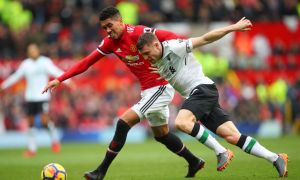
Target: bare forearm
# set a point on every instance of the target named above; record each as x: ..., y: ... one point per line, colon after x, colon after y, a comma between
x: 217, y: 34
x: 212, y: 36
x: 242, y: 25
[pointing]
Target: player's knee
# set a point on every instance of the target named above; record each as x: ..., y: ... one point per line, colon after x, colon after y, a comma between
x: 181, y: 124
x: 122, y: 127
x: 178, y: 123
x: 120, y: 136
x: 232, y: 138
x: 160, y: 131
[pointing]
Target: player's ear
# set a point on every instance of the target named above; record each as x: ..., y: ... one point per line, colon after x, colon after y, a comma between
x: 156, y: 44
x: 120, y: 19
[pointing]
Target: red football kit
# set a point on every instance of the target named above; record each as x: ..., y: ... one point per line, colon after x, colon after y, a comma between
x: 125, y: 48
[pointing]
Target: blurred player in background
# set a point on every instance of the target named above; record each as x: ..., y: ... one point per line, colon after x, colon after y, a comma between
x: 156, y: 95
x: 36, y: 70
x: 174, y: 62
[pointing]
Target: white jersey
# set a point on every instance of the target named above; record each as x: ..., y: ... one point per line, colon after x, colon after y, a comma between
x: 36, y: 73
x: 180, y: 68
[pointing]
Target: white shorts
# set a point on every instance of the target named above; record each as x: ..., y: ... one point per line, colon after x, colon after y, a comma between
x: 154, y: 104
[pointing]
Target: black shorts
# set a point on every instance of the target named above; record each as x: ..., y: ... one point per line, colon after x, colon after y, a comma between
x: 203, y: 102
x: 35, y: 108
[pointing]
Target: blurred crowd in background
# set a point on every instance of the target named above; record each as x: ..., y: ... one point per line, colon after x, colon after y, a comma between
x: 71, y: 27
x: 258, y: 81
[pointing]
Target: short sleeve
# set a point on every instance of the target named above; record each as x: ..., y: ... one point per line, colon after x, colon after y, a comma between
x: 181, y: 47
x: 189, y: 45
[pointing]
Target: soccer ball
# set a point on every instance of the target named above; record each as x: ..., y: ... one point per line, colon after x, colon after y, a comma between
x: 53, y: 171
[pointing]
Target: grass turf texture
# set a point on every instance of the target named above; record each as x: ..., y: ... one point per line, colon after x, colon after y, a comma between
x: 149, y: 161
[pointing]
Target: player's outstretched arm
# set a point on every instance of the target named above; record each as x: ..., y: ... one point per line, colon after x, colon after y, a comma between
x: 242, y: 25
x: 51, y: 85
x: 81, y: 66
x: 78, y: 68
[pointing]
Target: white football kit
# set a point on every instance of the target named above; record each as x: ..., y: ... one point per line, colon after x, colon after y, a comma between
x: 180, y: 68
x: 154, y: 104
x: 36, y: 73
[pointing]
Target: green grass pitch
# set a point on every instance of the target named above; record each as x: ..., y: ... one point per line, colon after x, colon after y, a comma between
x: 149, y: 161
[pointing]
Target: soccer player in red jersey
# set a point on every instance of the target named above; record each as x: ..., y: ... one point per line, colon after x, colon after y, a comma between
x: 156, y: 94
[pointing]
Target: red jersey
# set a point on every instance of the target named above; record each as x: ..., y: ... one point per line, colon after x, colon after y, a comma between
x: 125, y: 48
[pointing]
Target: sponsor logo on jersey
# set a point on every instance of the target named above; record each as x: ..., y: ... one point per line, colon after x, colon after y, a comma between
x: 168, y: 57
x: 131, y: 58
x: 135, y: 64
x: 130, y: 29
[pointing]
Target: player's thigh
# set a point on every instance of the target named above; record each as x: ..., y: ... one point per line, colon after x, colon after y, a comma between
x: 31, y: 110
x: 202, y: 100
x: 158, y: 117
x: 215, y: 119
x: 154, y: 105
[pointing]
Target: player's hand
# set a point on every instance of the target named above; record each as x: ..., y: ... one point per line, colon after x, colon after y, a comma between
x: 243, y: 24
x: 155, y: 71
x: 51, y: 85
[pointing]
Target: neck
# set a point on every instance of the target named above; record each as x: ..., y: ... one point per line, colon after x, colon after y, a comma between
x: 161, y: 50
x: 123, y: 30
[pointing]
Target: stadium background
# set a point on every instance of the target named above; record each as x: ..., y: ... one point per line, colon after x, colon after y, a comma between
x: 257, y: 72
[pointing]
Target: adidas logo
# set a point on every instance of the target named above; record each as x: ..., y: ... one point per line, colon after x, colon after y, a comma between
x: 130, y: 29
x: 118, y: 50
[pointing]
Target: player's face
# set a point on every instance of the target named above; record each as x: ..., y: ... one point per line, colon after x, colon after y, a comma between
x: 33, y: 51
x: 152, y: 52
x: 113, y: 26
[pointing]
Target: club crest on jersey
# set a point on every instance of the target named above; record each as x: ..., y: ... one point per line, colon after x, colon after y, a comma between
x: 131, y: 58
x: 133, y: 48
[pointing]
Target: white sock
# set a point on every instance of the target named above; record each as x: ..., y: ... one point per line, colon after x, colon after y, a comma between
x: 32, y: 146
x: 205, y: 138
x: 253, y: 147
x: 53, y: 132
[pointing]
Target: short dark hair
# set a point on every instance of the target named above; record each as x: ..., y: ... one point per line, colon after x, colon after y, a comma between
x: 108, y: 12
x: 144, y: 39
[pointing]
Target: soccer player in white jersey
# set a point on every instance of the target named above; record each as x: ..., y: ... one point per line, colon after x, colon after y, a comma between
x: 36, y: 70
x: 174, y: 61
